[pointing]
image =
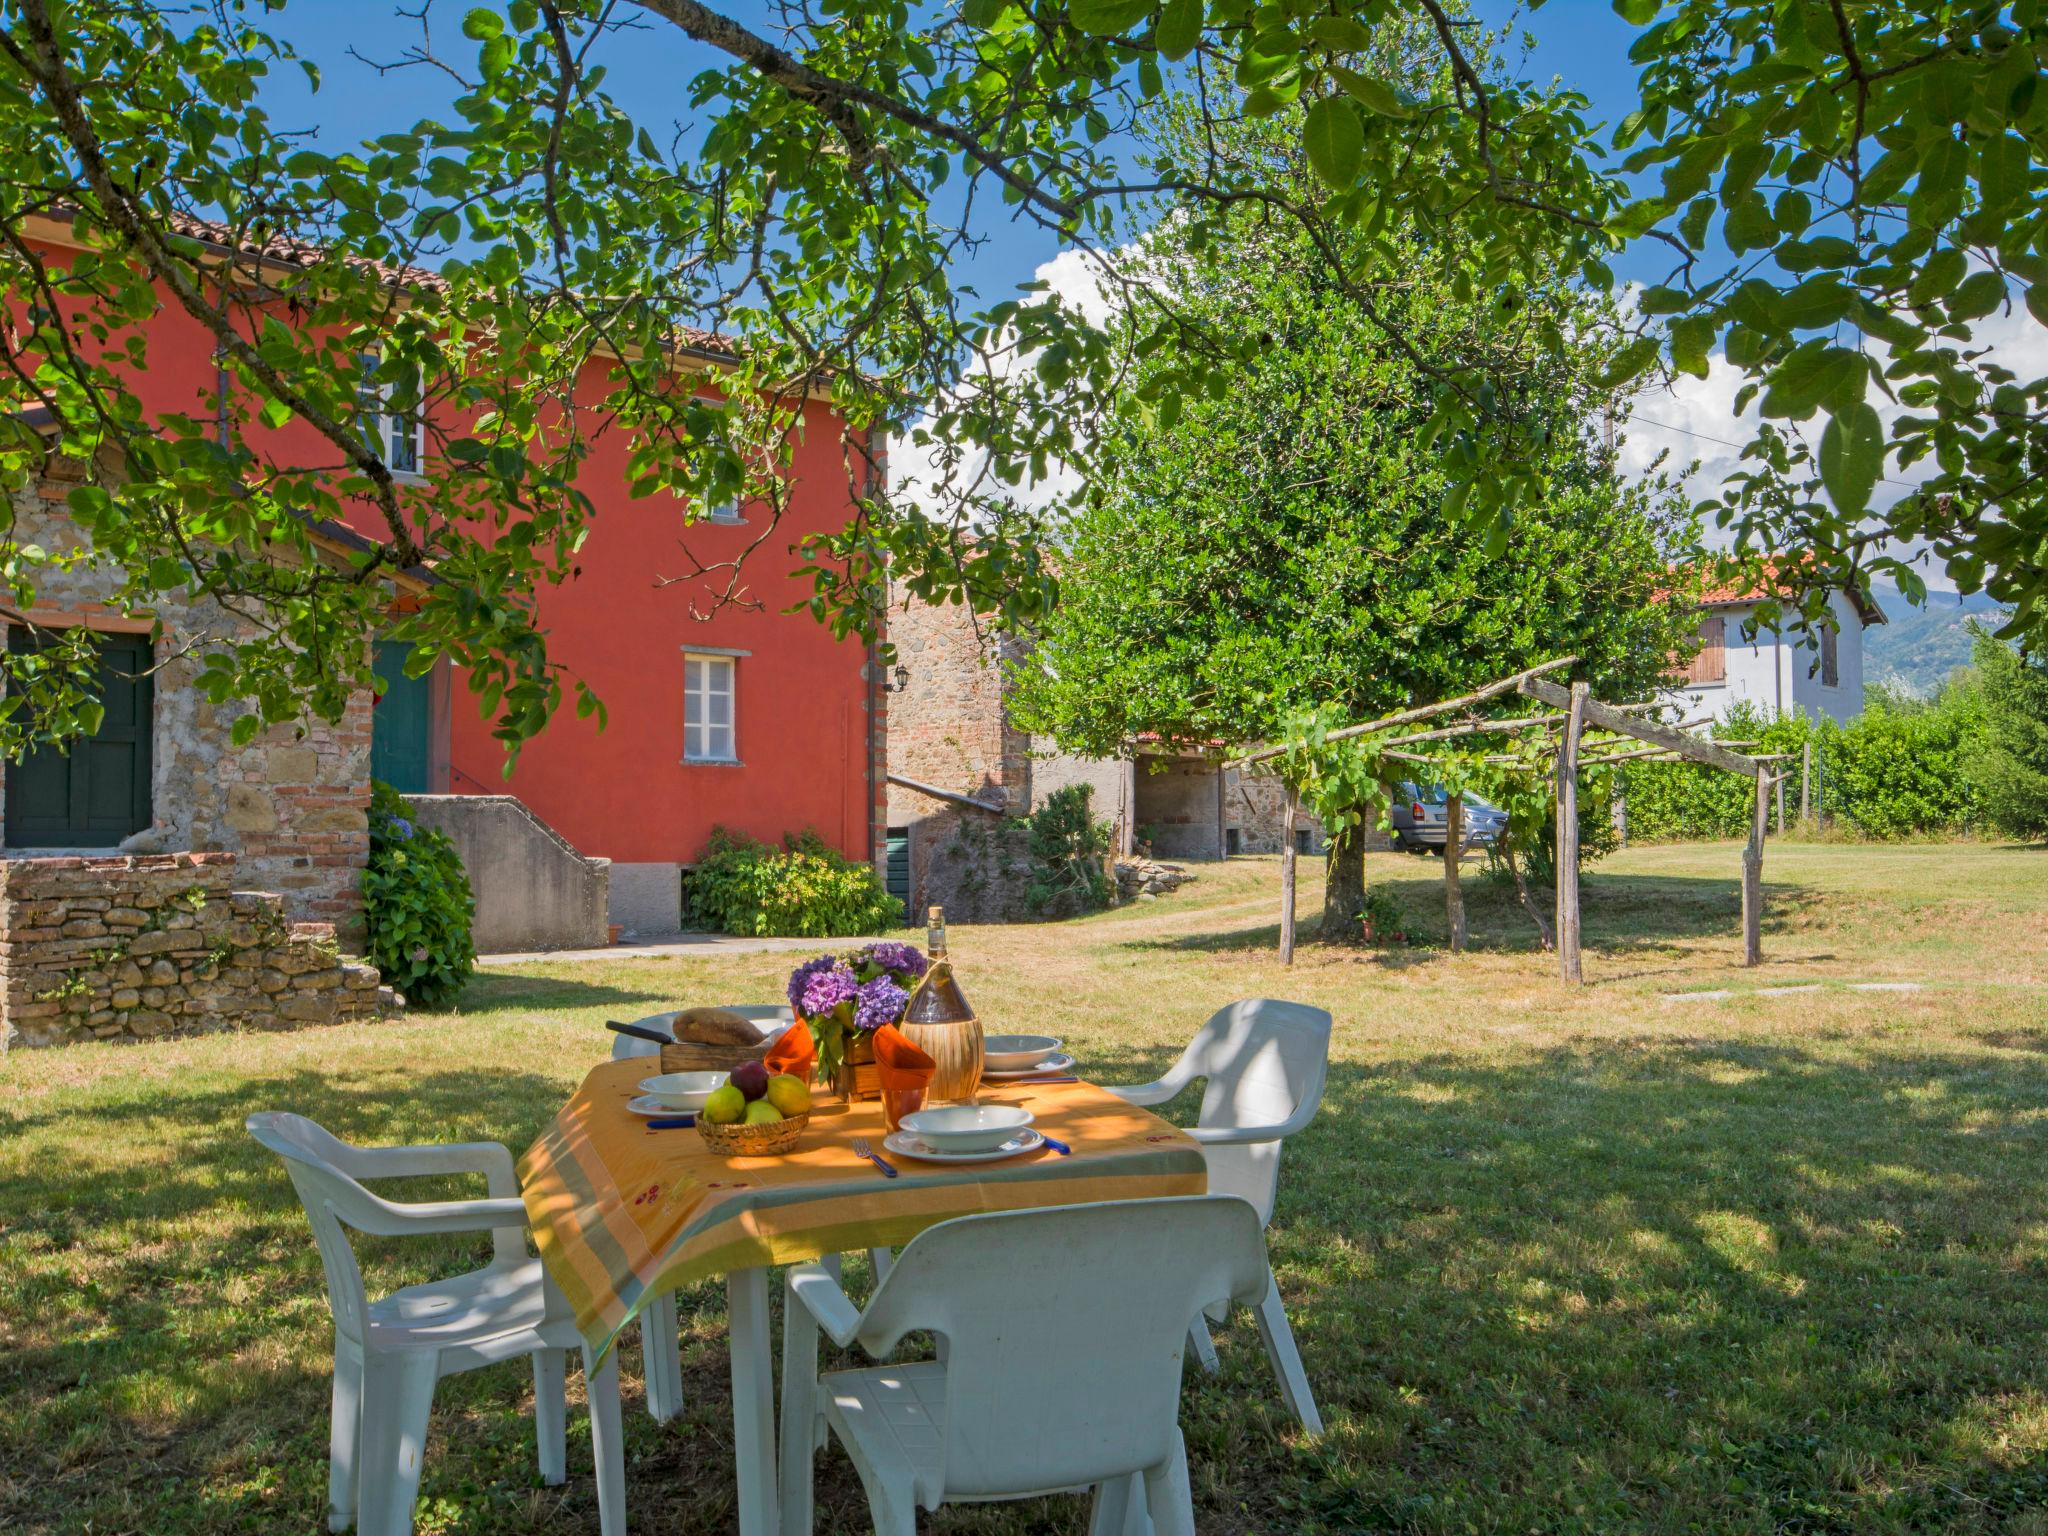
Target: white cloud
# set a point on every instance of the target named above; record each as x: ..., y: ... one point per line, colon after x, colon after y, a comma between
x: 919, y: 475
x: 1695, y: 419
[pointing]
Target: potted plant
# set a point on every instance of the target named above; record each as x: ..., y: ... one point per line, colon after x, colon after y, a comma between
x: 843, y: 999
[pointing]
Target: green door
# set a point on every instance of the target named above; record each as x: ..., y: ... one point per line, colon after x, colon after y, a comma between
x: 95, y: 792
x: 398, y: 725
x: 896, y: 867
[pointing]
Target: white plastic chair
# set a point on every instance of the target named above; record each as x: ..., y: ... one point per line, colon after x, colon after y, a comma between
x: 661, y: 1350
x: 1266, y: 1062
x: 388, y: 1354
x: 1066, y: 1330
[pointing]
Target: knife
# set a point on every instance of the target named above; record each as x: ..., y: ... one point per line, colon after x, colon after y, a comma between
x: 639, y: 1032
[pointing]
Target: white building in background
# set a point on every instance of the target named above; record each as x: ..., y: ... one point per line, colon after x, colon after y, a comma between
x: 1819, y: 676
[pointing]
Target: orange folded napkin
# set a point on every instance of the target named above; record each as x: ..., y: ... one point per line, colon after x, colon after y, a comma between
x: 900, y: 1065
x: 795, y: 1053
x: 903, y: 1071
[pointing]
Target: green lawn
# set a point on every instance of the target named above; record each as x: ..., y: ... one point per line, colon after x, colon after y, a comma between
x: 1558, y: 1259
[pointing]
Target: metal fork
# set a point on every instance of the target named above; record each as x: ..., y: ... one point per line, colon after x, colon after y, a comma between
x: 862, y: 1149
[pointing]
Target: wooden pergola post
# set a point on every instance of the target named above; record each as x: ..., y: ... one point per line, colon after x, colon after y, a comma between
x: 1568, y: 838
x: 1454, y: 842
x: 1753, y: 875
x: 1287, y: 875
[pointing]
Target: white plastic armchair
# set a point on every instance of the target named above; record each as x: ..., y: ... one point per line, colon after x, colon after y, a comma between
x: 1065, y: 1331
x: 1265, y: 1062
x: 388, y: 1354
x: 661, y: 1352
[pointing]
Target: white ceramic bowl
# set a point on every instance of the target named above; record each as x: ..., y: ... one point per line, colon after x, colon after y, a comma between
x: 1016, y: 1053
x: 682, y: 1090
x: 967, y: 1127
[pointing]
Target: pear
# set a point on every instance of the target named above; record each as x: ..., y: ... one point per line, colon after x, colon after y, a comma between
x: 725, y: 1106
x: 761, y: 1112
x: 790, y: 1094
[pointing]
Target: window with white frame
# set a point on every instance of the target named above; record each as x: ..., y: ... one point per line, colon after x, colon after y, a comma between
x: 728, y: 509
x: 707, y: 709
x: 400, y: 441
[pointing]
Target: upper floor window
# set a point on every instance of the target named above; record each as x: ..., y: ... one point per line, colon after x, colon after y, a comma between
x: 1830, y: 659
x: 399, y: 440
x: 708, y: 709
x: 1710, y: 663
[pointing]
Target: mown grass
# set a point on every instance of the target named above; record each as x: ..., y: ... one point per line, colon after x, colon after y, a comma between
x: 1559, y: 1260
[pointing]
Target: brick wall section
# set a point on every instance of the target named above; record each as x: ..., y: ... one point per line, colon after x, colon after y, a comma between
x: 143, y: 947
x: 294, y: 803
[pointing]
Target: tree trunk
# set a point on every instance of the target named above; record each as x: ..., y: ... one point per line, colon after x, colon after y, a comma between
x: 1344, y: 887
x: 1568, y: 839
x: 1454, y: 854
x: 1528, y: 901
x: 1753, y: 876
x: 1287, y: 861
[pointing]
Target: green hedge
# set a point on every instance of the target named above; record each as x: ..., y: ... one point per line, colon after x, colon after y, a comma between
x: 1900, y: 769
x: 804, y: 889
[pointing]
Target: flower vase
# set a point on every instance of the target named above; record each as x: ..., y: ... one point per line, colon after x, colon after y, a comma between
x: 856, y: 1077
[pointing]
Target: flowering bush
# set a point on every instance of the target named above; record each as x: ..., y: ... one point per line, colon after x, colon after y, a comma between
x: 417, y: 905
x: 862, y: 990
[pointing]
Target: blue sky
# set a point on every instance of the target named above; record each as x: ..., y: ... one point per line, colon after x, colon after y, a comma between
x: 1581, y: 42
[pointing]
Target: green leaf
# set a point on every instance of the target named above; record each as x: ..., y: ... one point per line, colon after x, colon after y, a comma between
x: 1335, y: 140
x: 482, y: 25
x: 1637, y: 13
x: 1978, y: 295
x: 1852, y: 457
x: 1108, y: 18
x: 1373, y: 94
x: 1690, y: 338
x: 1629, y: 362
x: 1180, y: 28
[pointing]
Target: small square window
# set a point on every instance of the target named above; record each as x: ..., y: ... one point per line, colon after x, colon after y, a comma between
x: 708, y: 709
x: 398, y: 440
x: 724, y: 512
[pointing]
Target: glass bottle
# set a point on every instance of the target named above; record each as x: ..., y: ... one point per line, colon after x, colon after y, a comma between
x: 939, y: 1021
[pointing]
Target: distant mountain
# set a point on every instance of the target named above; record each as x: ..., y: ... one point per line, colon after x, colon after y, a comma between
x: 1917, y: 648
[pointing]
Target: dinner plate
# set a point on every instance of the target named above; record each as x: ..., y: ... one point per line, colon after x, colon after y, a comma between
x: 1053, y: 1065
x: 648, y: 1104
x: 903, y: 1144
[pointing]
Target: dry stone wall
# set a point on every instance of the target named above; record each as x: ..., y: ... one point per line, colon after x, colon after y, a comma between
x: 293, y: 803
x: 147, y: 946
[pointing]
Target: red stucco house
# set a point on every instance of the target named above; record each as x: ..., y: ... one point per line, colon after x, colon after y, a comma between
x: 751, y: 718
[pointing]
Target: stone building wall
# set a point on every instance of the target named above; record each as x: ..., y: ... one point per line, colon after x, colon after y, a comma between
x: 143, y: 947
x: 1258, y: 803
x: 949, y: 725
x: 293, y: 804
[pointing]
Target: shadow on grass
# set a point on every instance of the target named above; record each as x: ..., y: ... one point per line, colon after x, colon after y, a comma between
x: 492, y: 989
x: 1618, y: 914
x: 1630, y: 1285
x: 1752, y: 1275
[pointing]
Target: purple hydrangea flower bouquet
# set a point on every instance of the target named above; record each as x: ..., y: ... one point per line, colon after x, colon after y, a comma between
x: 844, y: 999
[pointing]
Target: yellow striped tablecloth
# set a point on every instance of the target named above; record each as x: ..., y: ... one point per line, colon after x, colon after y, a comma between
x: 623, y: 1214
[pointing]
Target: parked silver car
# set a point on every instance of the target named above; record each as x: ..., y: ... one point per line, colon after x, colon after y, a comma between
x: 1419, y: 812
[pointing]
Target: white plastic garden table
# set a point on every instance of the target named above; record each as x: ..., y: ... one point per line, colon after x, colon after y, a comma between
x: 624, y: 1216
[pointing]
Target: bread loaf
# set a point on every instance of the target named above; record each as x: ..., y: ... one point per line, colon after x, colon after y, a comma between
x: 715, y: 1026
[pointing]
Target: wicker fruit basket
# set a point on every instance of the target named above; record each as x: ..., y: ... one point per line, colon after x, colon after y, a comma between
x: 770, y: 1140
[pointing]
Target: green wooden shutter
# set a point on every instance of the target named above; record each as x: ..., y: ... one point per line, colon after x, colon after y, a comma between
x: 398, y: 725
x: 96, y: 791
x: 896, y: 867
